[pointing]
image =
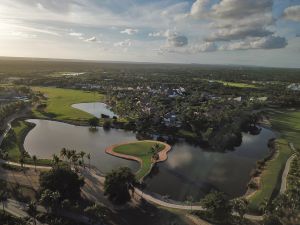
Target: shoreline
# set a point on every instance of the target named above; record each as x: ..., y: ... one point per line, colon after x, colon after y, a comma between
x: 163, y: 154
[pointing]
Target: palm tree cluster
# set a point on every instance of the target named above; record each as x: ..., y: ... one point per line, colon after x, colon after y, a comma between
x: 73, y: 157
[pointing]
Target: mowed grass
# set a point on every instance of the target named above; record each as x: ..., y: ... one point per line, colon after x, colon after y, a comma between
x: 59, y: 103
x: 238, y: 85
x: 271, y: 175
x: 287, y: 122
x: 142, y: 150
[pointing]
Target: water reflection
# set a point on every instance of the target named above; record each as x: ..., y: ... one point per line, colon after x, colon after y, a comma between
x: 189, y: 170
x: 95, y: 108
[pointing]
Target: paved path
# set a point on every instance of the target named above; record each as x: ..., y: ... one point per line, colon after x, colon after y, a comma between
x: 285, y: 173
x: 25, y: 165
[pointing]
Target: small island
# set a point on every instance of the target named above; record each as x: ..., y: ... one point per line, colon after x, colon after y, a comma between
x: 146, y: 152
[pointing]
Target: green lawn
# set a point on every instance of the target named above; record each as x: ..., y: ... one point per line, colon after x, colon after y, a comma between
x: 235, y: 84
x: 59, y: 103
x: 287, y: 122
x: 13, y: 143
x: 142, y: 150
x: 271, y: 175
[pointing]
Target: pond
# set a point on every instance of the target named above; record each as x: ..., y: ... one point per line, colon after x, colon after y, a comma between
x: 189, y: 170
x: 95, y: 108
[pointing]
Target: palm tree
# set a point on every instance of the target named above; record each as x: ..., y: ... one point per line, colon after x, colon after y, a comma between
x: 34, y: 158
x: 69, y: 156
x: 74, y: 159
x: 3, y: 194
x: 21, y: 161
x: 88, y: 156
x: 55, y: 160
x: 82, y: 154
x: 63, y: 153
x: 3, y: 199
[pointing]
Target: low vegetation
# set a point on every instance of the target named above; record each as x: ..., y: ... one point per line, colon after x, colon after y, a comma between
x: 144, y: 150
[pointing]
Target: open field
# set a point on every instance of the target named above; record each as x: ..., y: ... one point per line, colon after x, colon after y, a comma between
x: 235, y: 84
x: 287, y: 122
x: 271, y: 175
x: 141, y: 150
x: 59, y: 103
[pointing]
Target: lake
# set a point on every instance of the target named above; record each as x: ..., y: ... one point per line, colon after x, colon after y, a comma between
x: 189, y: 170
x: 95, y: 108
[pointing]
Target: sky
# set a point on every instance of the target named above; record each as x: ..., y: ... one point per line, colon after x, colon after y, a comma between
x: 239, y: 32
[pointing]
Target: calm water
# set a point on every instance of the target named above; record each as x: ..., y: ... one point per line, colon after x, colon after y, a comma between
x: 188, y: 171
x: 96, y: 109
x: 49, y: 137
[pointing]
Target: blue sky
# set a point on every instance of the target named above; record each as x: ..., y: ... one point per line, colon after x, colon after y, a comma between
x: 247, y: 32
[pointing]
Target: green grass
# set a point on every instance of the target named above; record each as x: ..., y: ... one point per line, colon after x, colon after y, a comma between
x: 13, y: 143
x: 287, y: 122
x: 142, y: 150
x: 59, y: 103
x: 271, y: 175
x: 235, y: 84
x: 294, y: 173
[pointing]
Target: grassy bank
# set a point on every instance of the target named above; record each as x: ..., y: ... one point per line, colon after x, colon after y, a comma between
x: 59, y: 103
x: 13, y: 143
x: 271, y: 175
x: 287, y: 122
x: 141, y: 150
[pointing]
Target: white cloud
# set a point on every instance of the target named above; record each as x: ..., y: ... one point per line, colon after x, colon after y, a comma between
x: 204, y: 47
x: 292, y: 13
x: 124, y: 44
x: 176, y: 40
x: 155, y: 34
x: 76, y: 34
x: 92, y: 39
x: 270, y: 42
x: 199, y: 8
x: 238, y: 21
x: 129, y: 31
x: 22, y: 34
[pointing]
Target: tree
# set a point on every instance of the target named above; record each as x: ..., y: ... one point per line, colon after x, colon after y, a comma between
x: 82, y: 154
x: 88, y: 156
x: 118, y: 183
x: 106, y: 124
x: 55, y: 160
x: 94, y: 122
x: 32, y: 210
x: 62, y: 180
x: 217, y: 205
x: 63, y: 153
x: 240, y: 205
x: 69, y: 154
x: 34, y: 158
x: 50, y: 199
x: 21, y: 161
x: 95, y: 213
x: 3, y: 193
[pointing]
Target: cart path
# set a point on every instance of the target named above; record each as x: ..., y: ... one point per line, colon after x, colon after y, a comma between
x: 286, y: 171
